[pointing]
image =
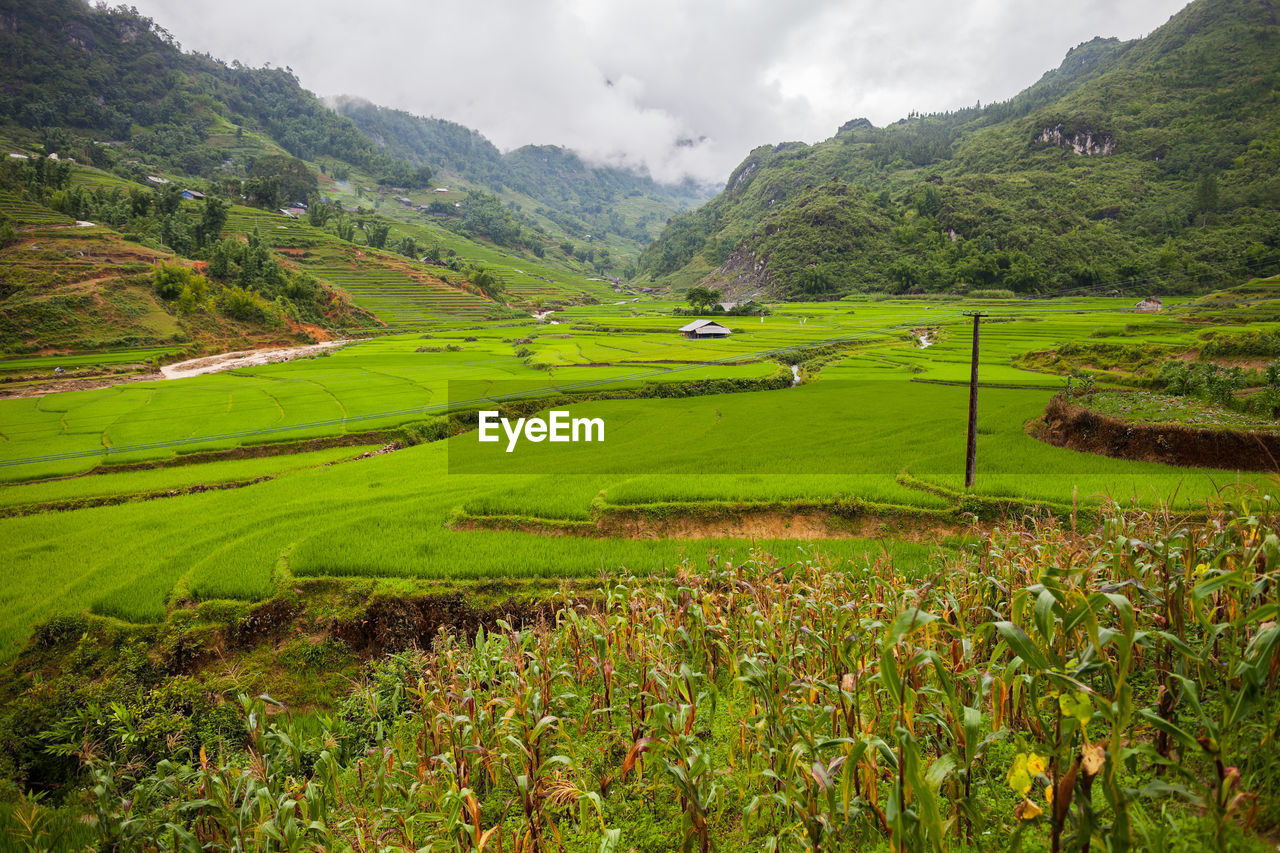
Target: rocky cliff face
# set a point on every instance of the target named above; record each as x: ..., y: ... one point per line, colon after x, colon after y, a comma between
x: 1087, y: 143
x: 744, y: 275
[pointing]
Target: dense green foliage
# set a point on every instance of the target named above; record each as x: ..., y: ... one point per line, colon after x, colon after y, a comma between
x: 261, y: 291
x: 1222, y: 386
x: 1174, y: 187
x: 111, y: 74
x: 1114, y: 690
x: 111, y: 88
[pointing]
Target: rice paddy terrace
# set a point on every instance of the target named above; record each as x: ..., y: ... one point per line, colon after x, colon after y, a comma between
x: 402, y: 293
x: 708, y: 451
x: 399, y: 293
x: 405, y: 294
x: 28, y: 213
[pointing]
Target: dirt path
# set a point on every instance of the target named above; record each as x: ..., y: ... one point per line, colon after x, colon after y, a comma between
x: 180, y: 370
x: 244, y: 358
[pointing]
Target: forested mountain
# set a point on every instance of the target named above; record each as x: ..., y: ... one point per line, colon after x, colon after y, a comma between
x: 113, y: 88
x: 574, y: 194
x: 1151, y: 164
x: 115, y: 76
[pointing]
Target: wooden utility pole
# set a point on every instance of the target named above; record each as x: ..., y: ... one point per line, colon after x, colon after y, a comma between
x: 971, y: 455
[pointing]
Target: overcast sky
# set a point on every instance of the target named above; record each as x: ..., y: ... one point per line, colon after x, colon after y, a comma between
x: 678, y: 86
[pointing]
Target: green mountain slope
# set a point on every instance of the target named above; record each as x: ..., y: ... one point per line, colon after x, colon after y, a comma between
x: 1149, y: 164
x: 113, y: 91
x: 115, y: 76
x: 549, y: 182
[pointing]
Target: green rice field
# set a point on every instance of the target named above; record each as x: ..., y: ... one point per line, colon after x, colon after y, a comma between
x: 878, y: 423
x: 79, y: 361
x: 105, y: 483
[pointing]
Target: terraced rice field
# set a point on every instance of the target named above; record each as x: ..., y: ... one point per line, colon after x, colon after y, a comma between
x: 371, y: 385
x: 402, y: 294
x: 530, y: 288
x: 154, y: 481
x: 24, y: 213
x: 878, y: 428
x: 406, y: 300
x: 75, y: 361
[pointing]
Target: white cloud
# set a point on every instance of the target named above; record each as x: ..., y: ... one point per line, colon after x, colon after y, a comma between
x: 624, y: 81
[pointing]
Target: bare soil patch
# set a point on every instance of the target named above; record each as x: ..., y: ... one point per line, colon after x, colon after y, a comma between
x: 244, y: 358
x: 764, y: 523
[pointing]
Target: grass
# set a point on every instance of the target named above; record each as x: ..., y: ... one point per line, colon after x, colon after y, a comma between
x: 157, y: 480
x: 1151, y: 407
x: 864, y: 429
x: 360, y: 387
x: 747, y: 447
x: 80, y: 361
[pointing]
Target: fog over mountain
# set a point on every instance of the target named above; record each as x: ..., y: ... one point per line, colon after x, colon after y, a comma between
x: 678, y: 88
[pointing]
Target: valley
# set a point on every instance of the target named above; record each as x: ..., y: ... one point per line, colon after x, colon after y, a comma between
x: 269, y: 587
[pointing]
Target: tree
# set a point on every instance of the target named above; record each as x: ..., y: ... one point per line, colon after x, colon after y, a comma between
x: 193, y: 295
x: 701, y: 298
x: 294, y: 179
x: 376, y: 234
x: 175, y: 232
x: 172, y: 280
x: 484, y: 214
x: 904, y: 272
x: 928, y: 202
x: 224, y: 259
x: 169, y: 200
x: 484, y: 279
x: 421, y: 177
x: 814, y: 281
x: 141, y: 200
x: 490, y: 285
x: 213, y: 217
x: 258, y: 270
x: 264, y: 192
x: 1207, y: 197
x: 319, y: 213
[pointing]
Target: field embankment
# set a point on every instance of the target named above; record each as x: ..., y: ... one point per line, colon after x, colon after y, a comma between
x: 1077, y: 428
x: 792, y: 520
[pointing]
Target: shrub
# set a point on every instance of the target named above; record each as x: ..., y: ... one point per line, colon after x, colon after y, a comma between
x: 421, y: 432
x: 1204, y: 380
x: 193, y: 295
x: 1260, y: 343
x: 240, y: 304
x: 1080, y: 383
x: 170, y: 280
x: 59, y: 629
